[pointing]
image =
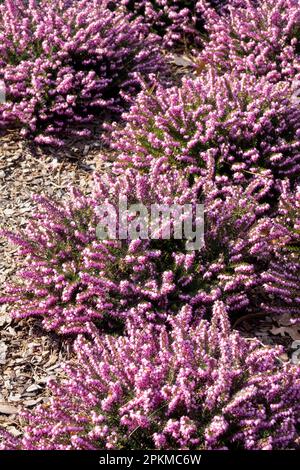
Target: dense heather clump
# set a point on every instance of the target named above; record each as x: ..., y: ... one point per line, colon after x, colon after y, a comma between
x: 258, y: 37
x: 64, y: 62
x: 231, y: 125
x: 282, y: 280
x: 72, y: 278
x: 204, y: 387
x: 177, y: 21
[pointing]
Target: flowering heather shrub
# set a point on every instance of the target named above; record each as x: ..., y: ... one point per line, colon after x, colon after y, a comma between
x: 72, y: 278
x: 282, y: 280
x: 177, y: 21
x: 257, y: 37
x: 64, y: 62
x: 230, y: 125
x: 204, y: 387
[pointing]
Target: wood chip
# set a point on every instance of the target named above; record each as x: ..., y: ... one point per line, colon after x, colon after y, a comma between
x: 33, y: 388
x: 7, y: 409
x: 292, y: 331
x: 3, y: 351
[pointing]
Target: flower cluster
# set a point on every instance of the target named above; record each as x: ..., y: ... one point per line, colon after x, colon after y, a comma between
x: 177, y: 21
x: 64, y: 62
x: 234, y: 125
x: 72, y: 278
x: 203, y: 387
x: 257, y: 37
x: 282, y: 279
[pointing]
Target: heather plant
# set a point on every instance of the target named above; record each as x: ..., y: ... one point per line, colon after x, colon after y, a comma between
x: 71, y: 278
x: 178, y: 22
x: 282, y: 279
x: 204, y: 387
x: 65, y: 62
x: 256, y: 37
x: 235, y: 126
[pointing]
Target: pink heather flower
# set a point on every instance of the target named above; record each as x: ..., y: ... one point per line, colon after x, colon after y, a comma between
x: 71, y: 277
x: 201, y: 387
x: 281, y: 281
x: 234, y: 125
x: 65, y: 63
x: 179, y: 22
x: 255, y: 37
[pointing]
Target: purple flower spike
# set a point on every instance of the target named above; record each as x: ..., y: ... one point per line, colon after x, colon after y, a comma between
x: 202, y: 387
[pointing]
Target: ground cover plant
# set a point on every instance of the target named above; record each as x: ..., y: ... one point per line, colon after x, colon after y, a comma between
x: 65, y: 62
x: 157, y: 326
x: 72, y: 278
x: 257, y: 37
x: 179, y: 22
x: 200, y: 388
x: 235, y: 125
